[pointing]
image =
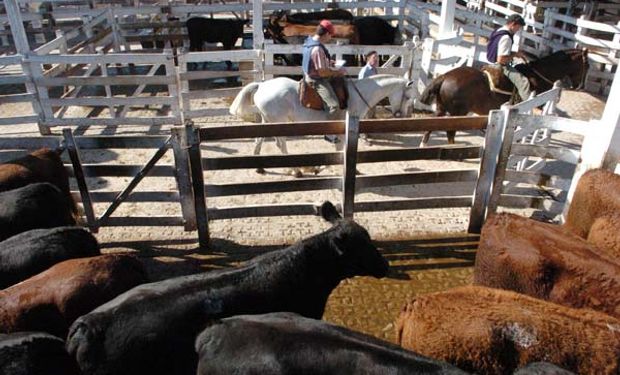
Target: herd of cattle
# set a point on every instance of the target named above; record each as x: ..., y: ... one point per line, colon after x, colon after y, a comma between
x: 545, y: 296
x: 286, y: 28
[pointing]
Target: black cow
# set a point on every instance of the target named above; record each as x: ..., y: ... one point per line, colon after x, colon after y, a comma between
x: 33, y: 206
x: 214, y: 30
x: 286, y: 343
x: 376, y: 31
x: 151, y: 328
x: 43, y: 165
x: 29, y: 253
x: 34, y: 353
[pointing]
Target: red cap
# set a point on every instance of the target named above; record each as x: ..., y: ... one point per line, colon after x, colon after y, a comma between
x: 327, y: 25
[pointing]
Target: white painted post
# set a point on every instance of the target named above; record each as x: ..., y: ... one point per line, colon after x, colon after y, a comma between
x: 446, y: 18
x: 17, y: 27
x: 257, y: 25
x: 601, y: 146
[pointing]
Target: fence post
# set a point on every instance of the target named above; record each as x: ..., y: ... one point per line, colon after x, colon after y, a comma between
x: 78, y: 173
x: 195, y: 162
x: 183, y: 177
x: 350, y: 164
x: 488, y: 165
x: 504, y: 155
x: 173, y: 88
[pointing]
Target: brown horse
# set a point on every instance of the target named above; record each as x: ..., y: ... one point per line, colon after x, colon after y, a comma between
x: 465, y: 90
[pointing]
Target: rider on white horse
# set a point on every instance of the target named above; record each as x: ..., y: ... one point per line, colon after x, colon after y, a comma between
x: 317, y: 67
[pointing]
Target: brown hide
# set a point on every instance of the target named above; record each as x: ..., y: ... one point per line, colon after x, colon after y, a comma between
x: 42, y: 165
x: 342, y: 31
x: 492, y: 331
x: 546, y: 261
x: 605, y: 234
x: 597, y: 194
x: 52, y: 300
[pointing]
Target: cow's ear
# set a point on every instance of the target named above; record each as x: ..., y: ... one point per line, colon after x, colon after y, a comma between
x: 329, y: 212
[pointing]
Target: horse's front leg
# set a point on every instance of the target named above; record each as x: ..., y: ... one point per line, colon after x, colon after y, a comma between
x: 425, y: 138
x: 258, y: 144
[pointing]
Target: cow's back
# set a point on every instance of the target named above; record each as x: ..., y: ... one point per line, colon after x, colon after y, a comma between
x: 39, y: 205
x: 286, y: 343
x: 374, y: 31
x: 34, y: 353
x: 28, y: 253
x: 546, y: 261
x: 52, y: 300
x: 43, y: 165
x: 492, y: 331
x: 597, y: 194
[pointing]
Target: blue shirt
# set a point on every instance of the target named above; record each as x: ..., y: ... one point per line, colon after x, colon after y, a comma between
x: 367, y: 71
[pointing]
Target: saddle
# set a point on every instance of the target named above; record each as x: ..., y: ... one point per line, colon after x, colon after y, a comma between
x: 309, y: 97
x: 498, y: 82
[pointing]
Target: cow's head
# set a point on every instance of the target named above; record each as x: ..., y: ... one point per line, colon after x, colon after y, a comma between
x: 356, y: 253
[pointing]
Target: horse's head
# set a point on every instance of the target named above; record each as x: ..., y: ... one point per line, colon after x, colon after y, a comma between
x: 571, y: 63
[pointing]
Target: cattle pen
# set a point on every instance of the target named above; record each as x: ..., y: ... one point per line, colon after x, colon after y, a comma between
x: 162, y: 170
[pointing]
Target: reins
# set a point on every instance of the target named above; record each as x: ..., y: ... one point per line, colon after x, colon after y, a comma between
x: 360, y: 94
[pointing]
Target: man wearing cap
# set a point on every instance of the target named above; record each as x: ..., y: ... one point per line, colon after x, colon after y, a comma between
x: 499, y: 51
x: 317, y: 67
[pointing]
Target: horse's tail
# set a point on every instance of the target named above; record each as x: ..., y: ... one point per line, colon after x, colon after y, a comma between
x: 242, y: 106
x: 432, y: 90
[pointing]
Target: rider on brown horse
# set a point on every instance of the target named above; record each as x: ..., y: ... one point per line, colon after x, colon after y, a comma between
x: 499, y: 51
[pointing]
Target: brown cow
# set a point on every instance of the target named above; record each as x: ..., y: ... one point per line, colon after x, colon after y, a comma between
x: 597, y: 194
x: 52, y: 300
x: 605, y: 234
x: 43, y: 165
x: 492, y: 331
x: 546, y: 261
x: 343, y: 31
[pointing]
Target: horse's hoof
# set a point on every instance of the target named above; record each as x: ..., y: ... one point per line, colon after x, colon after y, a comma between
x: 260, y: 171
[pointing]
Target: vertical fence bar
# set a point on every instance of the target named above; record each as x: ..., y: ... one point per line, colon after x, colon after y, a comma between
x: 200, y: 203
x: 488, y: 165
x: 350, y: 163
x: 502, y: 161
x: 173, y: 88
x: 78, y: 173
x: 183, y: 177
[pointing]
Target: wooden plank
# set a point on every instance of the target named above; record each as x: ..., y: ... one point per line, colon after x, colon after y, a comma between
x: 413, y: 204
x: 117, y: 141
x: 216, y: 93
x: 19, y: 120
x: 17, y: 98
x: 13, y: 80
x: 103, y: 101
x: 29, y: 143
x: 211, y: 74
x: 423, y: 177
x: 183, y: 178
x: 448, y: 152
x: 135, y: 196
x: 298, y: 184
x: 116, y: 80
x: 459, y: 123
x: 91, y: 121
x: 81, y: 181
x: 488, y: 165
x: 271, y: 161
x: 111, y: 58
x: 143, y: 221
x: 101, y: 170
x: 288, y: 209
x: 350, y: 165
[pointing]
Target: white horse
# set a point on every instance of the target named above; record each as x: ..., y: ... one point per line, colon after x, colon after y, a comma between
x: 277, y: 100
